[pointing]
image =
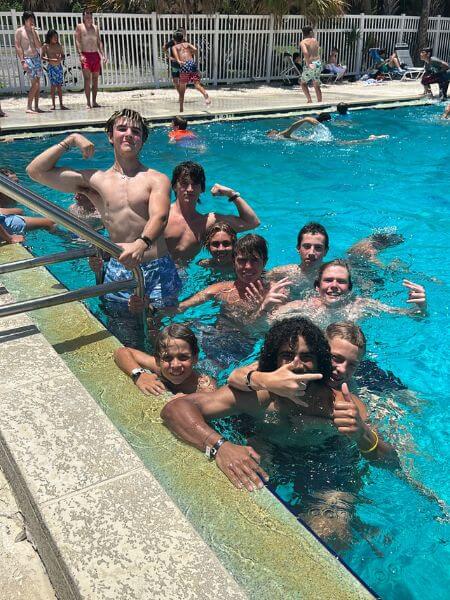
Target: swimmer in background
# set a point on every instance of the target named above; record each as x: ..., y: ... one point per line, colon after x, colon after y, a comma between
x: 172, y: 368
x: 186, y: 228
x: 185, y: 54
x: 369, y: 248
x: 220, y: 239
x: 334, y: 300
x: 343, y: 117
x: 316, y: 123
x: 371, y: 138
x: 446, y: 112
x: 180, y: 131
x: 86, y: 211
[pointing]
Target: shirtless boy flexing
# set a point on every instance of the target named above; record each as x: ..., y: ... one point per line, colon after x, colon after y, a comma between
x: 133, y: 202
x: 28, y: 47
x: 91, y: 53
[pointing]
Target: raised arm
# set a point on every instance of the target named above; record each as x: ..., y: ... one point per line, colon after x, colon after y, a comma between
x: 349, y: 417
x: 283, y: 381
x: 186, y: 418
x: 43, y: 168
x: 290, y: 130
x: 247, y: 218
x: 416, y: 296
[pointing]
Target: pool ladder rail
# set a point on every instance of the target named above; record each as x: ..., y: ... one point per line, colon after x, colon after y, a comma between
x: 72, y: 223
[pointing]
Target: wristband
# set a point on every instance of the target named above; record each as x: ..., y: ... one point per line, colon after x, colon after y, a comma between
x: 248, y: 379
x: 234, y: 197
x: 136, y: 373
x: 374, y: 446
x: 64, y: 145
x: 146, y: 240
x: 211, y: 451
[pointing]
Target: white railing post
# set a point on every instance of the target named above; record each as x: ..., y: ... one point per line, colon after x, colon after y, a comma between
x: 216, y: 48
x: 360, y: 44
x: 155, y: 48
x: 15, y: 24
x: 401, y: 30
x: 270, y: 50
x: 437, y: 35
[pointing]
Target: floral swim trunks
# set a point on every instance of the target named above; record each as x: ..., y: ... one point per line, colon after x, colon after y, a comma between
x: 13, y: 224
x: 312, y: 71
x: 34, y: 65
x: 189, y: 72
x: 55, y: 74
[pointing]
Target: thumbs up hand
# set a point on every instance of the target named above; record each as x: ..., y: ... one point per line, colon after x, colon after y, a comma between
x: 346, y: 416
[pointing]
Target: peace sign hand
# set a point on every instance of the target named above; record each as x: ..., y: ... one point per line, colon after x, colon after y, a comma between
x: 416, y: 294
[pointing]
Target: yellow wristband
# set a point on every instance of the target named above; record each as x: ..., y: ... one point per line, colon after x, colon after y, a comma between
x: 374, y: 446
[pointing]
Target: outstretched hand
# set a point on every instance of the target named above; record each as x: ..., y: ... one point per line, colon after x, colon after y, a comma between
x: 346, y: 416
x: 241, y: 465
x: 268, y: 299
x: 416, y: 294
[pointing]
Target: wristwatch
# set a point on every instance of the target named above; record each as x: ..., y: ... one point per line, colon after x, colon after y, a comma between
x: 211, y: 451
x: 136, y: 373
x: 146, y: 239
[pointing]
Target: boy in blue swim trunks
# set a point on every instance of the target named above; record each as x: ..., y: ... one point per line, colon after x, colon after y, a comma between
x: 28, y: 46
x: 133, y: 202
x: 53, y: 53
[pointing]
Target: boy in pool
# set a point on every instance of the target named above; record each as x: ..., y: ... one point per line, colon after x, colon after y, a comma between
x: 334, y: 299
x: 316, y: 123
x: 180, y: 131
x: 220, y: 239
x: 186, y: 227
x: 53, y: 53
x: 172, y: 366
x: 293, y: 344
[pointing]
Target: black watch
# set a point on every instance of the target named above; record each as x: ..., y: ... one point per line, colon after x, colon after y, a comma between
x: 146, y: 239
x: 211, y: 451
x: 136, y: 373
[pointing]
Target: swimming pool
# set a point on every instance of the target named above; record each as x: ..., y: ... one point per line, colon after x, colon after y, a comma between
x: 400, y: 545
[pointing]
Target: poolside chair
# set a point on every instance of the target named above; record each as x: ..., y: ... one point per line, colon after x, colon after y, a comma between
x: 378, y: 63
x: 404, y: 57
x: 292, y: 70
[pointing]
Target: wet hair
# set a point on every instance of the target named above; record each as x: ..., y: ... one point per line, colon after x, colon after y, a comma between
x: 288, y: 330
x: 215, y: 228
x: 383, y: 239
x: 322, y: 117
x: 6, y: 172
x: 251, y: 246
x: 179, y: 122
x: 428, y: 50
x: 130, y: 115
x: 349, y: 331
x: 192, y: 170
x: 175, y: 331
x: 178, y: 37
x: 313, y: 228
x: 48, y: 36
x: 342, y: 108
x: 27, y: 14
x: 338, y: 262
x: 307, y: 30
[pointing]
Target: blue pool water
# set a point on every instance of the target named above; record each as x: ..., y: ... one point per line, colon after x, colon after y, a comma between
x: 400, y: 530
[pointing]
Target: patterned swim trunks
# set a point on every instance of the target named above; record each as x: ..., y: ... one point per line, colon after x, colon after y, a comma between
x: 34, y: 65
x: 312, y: 71
x: 13, y: 224
x: 162, y: 283
x: 55, y: 74
x: 189, y: 72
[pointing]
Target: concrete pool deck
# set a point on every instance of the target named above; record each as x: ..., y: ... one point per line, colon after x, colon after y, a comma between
x: 160, y: 105
x: 137, y: 515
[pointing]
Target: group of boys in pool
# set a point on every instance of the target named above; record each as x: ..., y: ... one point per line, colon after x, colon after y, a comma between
x: 299, y: 390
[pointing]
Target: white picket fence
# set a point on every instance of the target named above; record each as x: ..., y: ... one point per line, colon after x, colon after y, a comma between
x: 234, y: 48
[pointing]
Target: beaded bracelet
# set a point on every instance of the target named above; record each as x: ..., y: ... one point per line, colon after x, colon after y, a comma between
x: 64, y: 145
x: 234, y: 197
x: 374, y: 446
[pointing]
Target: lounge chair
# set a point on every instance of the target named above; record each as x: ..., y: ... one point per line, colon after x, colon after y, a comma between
x: 292, y: 70
x: 404, y: 57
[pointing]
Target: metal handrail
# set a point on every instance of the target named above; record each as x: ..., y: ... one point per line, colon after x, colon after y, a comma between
x: 72, y: 223
x: 48, y: 259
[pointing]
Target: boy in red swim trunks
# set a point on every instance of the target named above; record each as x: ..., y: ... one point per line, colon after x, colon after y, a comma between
x: 185, y: 53
x: 91, y: 53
